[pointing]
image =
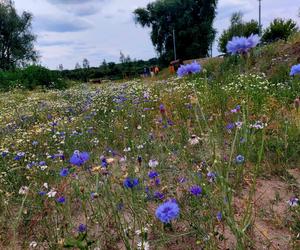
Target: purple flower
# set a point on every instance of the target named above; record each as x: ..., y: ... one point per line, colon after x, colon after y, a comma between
x: 64, y: 172
x: 130, y: 182
x: 152, y: 174
x: 211, y: 176
x: 79, y: 158
x: 61, y: 200
x: 230, y: 126
x: 293, y: 202
x: 242, y: 45
x: 81, y: 228
x: 104, y: 163
x: 19, y: 156
x: 158, y: 195
x: 295, y: 70
x: 167, y: 211
x: 188, y: 69
x: 219, y: 216
x: 196, y: 190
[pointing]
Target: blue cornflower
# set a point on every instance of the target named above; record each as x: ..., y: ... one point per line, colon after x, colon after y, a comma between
x: 152, y: 174
x: 130, y: 182
x: 295, y: 70
x: 242, y: 45
x: 19, y: 156
x: 34, y: 143
x: 4, y: 153
x: 230, y: 126
x: 79, y: 158
x: 219, y: 216
x: 64, y: 172
x: 81, y: 228
x: 42, y: 193
x: 196, y: 190
x: 167, y: 211
x: 139, y: 159
x: 61, y: 200
x: 240, y: 159
x: 211, y: 176
x: 188, y: 69
x: 104, y: 163
x: 158, y: 195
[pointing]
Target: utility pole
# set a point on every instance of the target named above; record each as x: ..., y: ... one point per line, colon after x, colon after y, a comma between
x: 259, y: 18
x: 174, y: 43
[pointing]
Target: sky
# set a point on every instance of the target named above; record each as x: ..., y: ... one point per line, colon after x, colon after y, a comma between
x: 70, y: 30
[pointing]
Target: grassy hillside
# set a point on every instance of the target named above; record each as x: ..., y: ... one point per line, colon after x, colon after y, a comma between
x: 89, y: 167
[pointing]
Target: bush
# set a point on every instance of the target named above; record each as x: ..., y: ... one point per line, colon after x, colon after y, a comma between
x: 279, y: 29
x: 30, y: 78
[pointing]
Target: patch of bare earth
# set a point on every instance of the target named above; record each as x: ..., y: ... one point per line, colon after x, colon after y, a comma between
x: 271, y: 215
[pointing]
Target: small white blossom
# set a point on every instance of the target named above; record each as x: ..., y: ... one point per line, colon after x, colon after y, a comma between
x: 23, y: 190
x: 51, y: 193
x: 153, y: 163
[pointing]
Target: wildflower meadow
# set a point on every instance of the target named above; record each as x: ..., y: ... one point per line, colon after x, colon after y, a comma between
x: 185, y: 162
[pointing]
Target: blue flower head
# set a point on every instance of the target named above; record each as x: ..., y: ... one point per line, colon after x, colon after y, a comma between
x: 167, y: 211
x: 240, y: 159
x: 130, y: 182
x: 242, y: 45
x: 295, y: 70
x: 158, y: 195
x: 79, y: 158
x: 196, y: 190
x: 188, y: 69
x: 152, y: 174
x: 61, y: 200
x: 81, y: 228
x: 64, y: 172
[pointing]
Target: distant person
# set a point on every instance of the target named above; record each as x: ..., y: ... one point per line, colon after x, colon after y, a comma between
x: 152, y: 71
x: 172, y: 69
x: 156, y: 70
x: 145, y: 72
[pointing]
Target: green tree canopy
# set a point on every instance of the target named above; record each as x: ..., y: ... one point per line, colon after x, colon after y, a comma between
x: 237, y: 28
x: 279, y: 29
x: 16, y: 38
x: 192, y: 21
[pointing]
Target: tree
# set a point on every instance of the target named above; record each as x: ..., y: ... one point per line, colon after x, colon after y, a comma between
x: 122, y: 57
x: 85, y: 63
x: 60, y: 67
x: 16, y: 38
x: 192, y: 21
x: 238, y: 27
x: 77, y: 66
x: 279, y: 29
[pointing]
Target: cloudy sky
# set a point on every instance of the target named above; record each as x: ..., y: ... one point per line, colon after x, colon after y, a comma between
x: 70, y: 30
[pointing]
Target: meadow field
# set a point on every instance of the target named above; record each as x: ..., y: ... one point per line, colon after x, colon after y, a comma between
x: 198, y: 162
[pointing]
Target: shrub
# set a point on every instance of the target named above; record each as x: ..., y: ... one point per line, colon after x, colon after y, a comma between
x: 279, y: 29
x: 30, y: 78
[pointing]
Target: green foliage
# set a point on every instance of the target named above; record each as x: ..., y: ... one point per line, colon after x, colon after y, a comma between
x: 30, y: 78
x: 279, y: 29
x: 192, y: 21
x: 238, y: 27
x: 16, y: 38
